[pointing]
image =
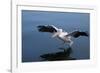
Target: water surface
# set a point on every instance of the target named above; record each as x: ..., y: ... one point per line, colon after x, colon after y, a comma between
x: 35, y: 44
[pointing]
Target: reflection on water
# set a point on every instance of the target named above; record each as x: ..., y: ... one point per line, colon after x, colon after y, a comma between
x: 61, y: 55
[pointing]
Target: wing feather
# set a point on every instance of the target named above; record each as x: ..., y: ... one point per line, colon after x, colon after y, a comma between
x: 76, y: 34
x: 46, y: 28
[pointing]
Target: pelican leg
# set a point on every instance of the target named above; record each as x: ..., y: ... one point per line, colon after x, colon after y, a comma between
x: 70, y: 44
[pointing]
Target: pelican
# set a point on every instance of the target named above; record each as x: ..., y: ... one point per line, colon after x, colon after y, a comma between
x: 61, y: 34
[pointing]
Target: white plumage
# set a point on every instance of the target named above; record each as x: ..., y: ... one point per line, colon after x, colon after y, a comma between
x: 61, y: 34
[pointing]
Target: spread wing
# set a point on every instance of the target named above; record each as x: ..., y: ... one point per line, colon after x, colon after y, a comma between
x: 76, y: 34
x: 47, y: 28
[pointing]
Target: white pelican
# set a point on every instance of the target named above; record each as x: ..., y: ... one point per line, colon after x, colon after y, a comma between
x: 62, y: 35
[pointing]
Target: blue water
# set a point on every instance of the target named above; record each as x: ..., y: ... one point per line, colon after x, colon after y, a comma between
x: 35, y: 43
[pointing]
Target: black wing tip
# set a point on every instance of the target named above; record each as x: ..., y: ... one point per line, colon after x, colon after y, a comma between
x: 46, y: 28
x: 40, y: 26
x: 86, y: 33
x: 81, y: 33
